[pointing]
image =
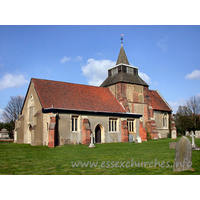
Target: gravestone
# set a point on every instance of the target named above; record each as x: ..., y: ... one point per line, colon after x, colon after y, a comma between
x: 130, y: 138
x: 4, y: 134
x: 197, y: 134
x: 74, y: 142
x: 172, y: 145
x: 174, y: 135
x: 193, y: 142
x: 62, y: 141
x: 138, y: 138
x: 91, y: 141
x: 187, y: 133
x: 183, y: 157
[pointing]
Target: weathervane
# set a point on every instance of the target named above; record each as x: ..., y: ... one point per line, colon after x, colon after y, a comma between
x: 122, y: 39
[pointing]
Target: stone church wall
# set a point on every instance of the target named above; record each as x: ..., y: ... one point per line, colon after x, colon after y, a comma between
x: 24, y: 133
x: 46, y: 124
x: 19, y: 128
x: 38, y: 130
x: 66, y: 134
x: 162, y: 131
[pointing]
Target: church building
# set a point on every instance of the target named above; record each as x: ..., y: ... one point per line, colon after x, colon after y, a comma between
x: 123, y: 108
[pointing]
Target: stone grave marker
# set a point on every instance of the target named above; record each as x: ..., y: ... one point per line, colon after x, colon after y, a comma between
x: 193, y: 142
x: 130, y: 138
x: 183, y: 156
x: 172, y: 145
x: 197, y: 134
x: 187, y: 133
x: 4, y: 134
x: 91, y: 141
x: 139, y: 140
x: 174, y: 135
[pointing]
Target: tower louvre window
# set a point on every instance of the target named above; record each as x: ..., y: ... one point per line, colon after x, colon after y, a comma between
x: 114, y: 71
x: 130, y: 70
x: 136, y: 71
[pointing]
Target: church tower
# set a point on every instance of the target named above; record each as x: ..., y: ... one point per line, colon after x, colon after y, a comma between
x: 132, y: 92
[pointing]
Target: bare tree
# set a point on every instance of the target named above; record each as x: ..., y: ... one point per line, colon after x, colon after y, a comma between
x: 188, y: 116
x: 13, y: 108
x: 183, y: 119
x: 193, y: 104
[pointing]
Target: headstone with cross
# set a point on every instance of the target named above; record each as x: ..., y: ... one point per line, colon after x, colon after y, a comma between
x: 91, y: 141
x: 193, y: 142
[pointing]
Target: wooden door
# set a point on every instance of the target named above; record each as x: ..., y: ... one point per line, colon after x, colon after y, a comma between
x: 98, y: 135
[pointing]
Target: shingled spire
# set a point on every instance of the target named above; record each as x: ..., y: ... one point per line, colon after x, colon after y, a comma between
x: 122, y: 72
x: 122, y: 58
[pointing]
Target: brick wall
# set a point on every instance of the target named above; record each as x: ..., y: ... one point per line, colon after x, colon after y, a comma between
x: 52, y: 131
x: 86, y: 131
x: 143, y: 133
x: 121, y: 95
x: 124, y: 131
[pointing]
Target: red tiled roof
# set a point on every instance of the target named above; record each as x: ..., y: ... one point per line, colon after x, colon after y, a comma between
x: 158, y: 102
x: 76, y: 97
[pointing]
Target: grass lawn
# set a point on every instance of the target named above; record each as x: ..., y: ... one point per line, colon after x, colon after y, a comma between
x: 26, y: 159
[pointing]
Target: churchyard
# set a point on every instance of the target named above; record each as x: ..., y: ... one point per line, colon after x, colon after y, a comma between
x: 152, y: 158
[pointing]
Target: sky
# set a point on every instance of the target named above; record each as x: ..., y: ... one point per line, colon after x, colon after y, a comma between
x: 168, y: 57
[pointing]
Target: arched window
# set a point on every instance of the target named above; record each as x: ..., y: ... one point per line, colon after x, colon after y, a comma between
x: 165, y: 120
x: 31, y: 110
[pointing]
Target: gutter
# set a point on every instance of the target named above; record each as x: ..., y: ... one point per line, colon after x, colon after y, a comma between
x: 84, y: 112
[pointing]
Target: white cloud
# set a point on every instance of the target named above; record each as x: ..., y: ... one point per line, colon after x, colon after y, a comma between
x: 174, y: 105
x: 12, y: 81
x: 156, y: 83
x: 198, y: 95
x: 78, y: 58
x: 97, y: 70
x: 145, y: 77
x: 162, y: 44
x: 194, y: 75
x: 65, y: 59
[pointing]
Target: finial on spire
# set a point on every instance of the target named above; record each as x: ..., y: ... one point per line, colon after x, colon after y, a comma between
x: 122, y: 39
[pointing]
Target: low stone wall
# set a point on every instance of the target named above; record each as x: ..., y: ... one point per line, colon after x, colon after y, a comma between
x: 6, y: 140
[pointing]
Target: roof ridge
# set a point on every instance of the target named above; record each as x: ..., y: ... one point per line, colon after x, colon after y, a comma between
x: 163, y: 99
x: 66, y: 82
x: 153, y: 90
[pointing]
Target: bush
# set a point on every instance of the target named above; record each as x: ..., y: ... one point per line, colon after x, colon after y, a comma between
x: 148, y: 135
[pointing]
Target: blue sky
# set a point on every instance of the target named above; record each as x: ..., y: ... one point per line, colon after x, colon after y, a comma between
x: 168, y: 57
